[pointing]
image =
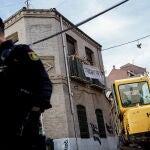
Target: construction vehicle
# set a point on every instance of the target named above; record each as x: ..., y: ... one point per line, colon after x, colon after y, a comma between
x: 131, y: 104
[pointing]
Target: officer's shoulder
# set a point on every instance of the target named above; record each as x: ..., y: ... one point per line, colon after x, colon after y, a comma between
x: 25, y: 52
x: 22, y: 48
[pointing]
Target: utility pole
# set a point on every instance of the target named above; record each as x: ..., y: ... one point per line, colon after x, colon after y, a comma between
x: 27, y: 4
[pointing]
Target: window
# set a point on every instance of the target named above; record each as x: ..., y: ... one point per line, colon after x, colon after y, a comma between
x: 71, y: 45
x: 72, y: 64
x: 83, y: 125
x: 134, y: 93
x: 89, y: 55
x: 13, y: 37
x: 100, y: 121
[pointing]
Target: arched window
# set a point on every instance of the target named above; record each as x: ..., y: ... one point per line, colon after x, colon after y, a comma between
x: 100, y: 121
x: 84, y: 130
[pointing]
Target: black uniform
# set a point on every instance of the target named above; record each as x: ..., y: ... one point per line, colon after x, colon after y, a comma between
x: 24, y: 83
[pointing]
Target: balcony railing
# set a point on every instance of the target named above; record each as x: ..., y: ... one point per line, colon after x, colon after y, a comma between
x: 77, y: 72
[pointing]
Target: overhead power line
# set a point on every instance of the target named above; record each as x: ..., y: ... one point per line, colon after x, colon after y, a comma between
x: 60, y: 4
x: 81, y: 23
x: 11, y: 4
x: 126, y: 43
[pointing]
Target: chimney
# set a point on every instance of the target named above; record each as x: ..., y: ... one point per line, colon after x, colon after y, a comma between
x: 113, y: 66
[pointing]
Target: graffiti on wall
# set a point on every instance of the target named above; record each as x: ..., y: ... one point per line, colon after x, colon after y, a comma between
x: 66, y: 144
x: 109, y: 128
x: 96, y: 134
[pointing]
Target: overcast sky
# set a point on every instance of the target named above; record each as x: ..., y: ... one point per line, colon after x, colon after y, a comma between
x: 127, y: 22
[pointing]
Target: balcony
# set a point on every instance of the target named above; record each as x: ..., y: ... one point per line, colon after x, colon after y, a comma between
x: 77, y: 73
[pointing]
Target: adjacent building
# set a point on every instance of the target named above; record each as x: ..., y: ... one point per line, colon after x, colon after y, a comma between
x: 73, y: 60
x: 126, y: 71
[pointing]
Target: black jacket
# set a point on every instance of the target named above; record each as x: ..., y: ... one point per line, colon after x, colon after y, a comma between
x: 24, y: 83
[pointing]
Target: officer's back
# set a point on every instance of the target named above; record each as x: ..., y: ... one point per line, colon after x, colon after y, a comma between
x: 24, y: 85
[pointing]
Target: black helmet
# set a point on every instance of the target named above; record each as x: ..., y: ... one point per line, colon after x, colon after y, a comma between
x: 1, y: 25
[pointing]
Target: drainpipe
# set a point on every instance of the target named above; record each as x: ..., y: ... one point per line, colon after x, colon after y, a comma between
x: 68, y: 79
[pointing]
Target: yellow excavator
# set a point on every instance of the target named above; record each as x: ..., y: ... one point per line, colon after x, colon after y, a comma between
x: 131, y: 110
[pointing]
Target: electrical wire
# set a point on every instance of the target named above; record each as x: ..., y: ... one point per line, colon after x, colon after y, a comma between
x: 11, y: 4
x: 79, y: 24
x: 60, y: 4
x: 126, y: 43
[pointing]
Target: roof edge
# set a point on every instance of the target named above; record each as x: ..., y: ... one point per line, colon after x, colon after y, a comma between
x: 58, y: 13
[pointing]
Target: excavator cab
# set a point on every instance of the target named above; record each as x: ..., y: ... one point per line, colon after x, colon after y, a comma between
x: 132, y: 104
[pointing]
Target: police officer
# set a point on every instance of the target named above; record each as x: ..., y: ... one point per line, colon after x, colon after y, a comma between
x: 25, y: 92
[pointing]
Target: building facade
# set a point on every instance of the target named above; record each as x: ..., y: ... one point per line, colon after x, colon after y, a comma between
x: 80, y: 111
x: 126, y: 71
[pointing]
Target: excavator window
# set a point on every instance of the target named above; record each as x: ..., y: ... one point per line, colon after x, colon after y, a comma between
x: 133, y: 94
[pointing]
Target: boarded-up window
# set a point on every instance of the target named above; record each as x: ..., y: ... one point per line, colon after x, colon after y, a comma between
x: 82, y: 118
x: 100, y: 121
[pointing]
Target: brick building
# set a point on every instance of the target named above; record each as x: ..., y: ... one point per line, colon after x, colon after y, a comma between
x: 79, y: 105
x: 125, y: 71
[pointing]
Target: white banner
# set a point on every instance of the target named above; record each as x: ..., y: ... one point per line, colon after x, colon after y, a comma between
x: 93, y: 72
